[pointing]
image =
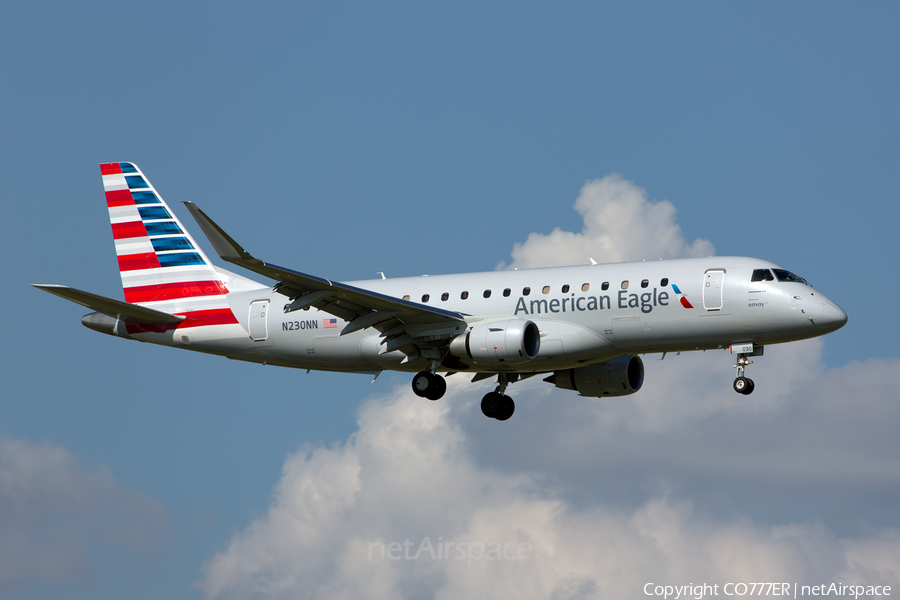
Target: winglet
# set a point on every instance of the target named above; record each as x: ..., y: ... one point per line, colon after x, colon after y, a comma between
x: 224, y: 244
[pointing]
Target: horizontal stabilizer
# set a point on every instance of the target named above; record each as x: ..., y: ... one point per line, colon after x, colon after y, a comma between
x: 113, y: 308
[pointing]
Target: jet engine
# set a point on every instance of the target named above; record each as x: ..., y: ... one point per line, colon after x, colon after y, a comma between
x: 497, y: 343
x: 618, y: 377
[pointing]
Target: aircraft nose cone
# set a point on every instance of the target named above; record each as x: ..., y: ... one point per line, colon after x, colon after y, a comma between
x: 832, y: 316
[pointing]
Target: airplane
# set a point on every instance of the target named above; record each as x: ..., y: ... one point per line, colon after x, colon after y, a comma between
x: 584, y: 327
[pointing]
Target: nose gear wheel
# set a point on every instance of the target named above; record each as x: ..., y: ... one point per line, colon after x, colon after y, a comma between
x: 743, y: 385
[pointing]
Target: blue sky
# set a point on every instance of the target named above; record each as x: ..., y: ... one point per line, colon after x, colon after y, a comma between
x: 344, y: 139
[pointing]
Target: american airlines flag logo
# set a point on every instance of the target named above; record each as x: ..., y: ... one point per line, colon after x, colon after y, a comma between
x: 330, y: 323
x: 681, y: 297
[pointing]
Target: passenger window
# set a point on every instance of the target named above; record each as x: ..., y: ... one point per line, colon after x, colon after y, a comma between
x: 565, y: 289
x: 406, y: 297
x: 645, y: 283
x: 425, y: 297
x: 445, y: 296
x: 526, y: 291
x: 625, y: 285
x: 762, y: 275
x: 664, y: 282
x: 507, y: 292
x: 464, y: 295
x: 546, y: 289
x: 487, y: 293
x: 585, y: 287
x: 605, y: 286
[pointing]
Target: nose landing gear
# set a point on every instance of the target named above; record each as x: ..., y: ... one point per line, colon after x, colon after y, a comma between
x: 743, y: 385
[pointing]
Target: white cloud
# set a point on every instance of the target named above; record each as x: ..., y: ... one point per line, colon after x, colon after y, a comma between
x: 52, y: 508
x: 620, y: 223
x: 417, y: 469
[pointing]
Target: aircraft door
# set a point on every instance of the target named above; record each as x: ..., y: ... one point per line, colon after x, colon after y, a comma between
x: 258, y: 322
x: 712, y: 289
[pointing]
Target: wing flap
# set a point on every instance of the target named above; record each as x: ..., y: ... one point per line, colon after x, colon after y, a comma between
x: 369, y: 319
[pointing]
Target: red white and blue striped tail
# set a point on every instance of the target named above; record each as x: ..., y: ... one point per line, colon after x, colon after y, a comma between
x: 161, y: 265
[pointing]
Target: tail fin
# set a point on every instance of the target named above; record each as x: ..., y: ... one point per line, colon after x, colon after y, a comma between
x: 160, y: 264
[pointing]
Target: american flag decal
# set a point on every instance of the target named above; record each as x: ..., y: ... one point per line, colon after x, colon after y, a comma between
x: 330, y: 323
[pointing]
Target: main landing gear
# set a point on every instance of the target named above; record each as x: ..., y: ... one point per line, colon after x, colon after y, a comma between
x: 743, y: 385
x: 496, y: 404
x: 427, y: 384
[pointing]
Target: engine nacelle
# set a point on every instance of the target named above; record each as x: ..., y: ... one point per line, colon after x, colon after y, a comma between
x: 617, y: 377
x: 497, y: 343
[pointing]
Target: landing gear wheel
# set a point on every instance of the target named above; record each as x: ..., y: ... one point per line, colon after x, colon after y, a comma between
x: 507, y: 408
x: 742, y: 385
x: 429, y: 385
x: 440, y: 386
x: 497, y: 406
x: 491, y: 404
x: 422, y: 382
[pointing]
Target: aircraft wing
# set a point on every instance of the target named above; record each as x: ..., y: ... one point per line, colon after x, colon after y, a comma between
x: 401, y: 322
x: 108, y: 306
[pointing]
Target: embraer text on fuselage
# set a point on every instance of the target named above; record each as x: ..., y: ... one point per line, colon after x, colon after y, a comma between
x: 646, y: 301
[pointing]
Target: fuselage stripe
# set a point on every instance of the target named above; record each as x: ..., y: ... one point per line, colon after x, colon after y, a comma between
x: 214, y: 316
x: 196, y: 318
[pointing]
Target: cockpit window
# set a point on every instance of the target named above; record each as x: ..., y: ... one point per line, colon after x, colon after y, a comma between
x: 762, y: 275
x: 783, y: 275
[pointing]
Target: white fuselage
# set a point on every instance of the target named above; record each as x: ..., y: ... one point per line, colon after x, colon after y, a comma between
x: 586, y: 314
